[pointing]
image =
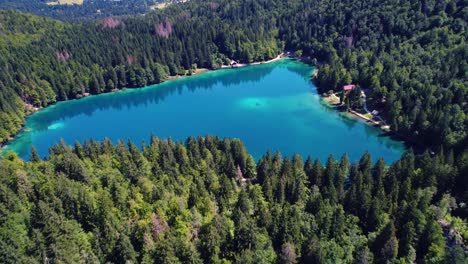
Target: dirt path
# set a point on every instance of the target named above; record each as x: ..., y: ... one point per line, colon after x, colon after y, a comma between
x: 364, y: 102
x: 239, y: 65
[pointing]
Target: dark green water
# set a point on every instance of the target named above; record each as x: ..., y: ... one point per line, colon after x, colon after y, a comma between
x: 272, y: 106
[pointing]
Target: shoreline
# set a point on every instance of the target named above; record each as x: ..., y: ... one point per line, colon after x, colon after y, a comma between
x: 240, y: 65
x: 29, y: 109
x: 333, y: 102
x: 369, y: 121
x: 329, y: 102
x: 175, y: 77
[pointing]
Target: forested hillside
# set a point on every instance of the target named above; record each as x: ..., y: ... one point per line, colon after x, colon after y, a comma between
x: 82, y: 10
x: 44, y: 61
x: 206, y: 201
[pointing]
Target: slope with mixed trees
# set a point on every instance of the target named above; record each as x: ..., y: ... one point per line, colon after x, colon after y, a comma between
x: 82, y: 10
x: 44, y: 61
x: 409, y: 56
x: 206, y: 201
x: 189, y: 203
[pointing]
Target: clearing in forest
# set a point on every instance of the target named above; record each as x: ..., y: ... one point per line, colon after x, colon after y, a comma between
x: 66, y: 2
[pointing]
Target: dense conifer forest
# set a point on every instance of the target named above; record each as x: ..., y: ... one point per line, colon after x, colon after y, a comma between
x: 82, y: 10
x: 207, y: 200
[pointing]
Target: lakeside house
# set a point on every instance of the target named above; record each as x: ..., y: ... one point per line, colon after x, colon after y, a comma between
x: 233, y: 63
x: 349, y: 87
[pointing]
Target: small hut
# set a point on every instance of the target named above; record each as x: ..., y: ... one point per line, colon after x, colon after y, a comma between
x: 349, y: 87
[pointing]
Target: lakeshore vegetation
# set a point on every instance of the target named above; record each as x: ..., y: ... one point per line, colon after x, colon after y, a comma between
x: 207, y: 201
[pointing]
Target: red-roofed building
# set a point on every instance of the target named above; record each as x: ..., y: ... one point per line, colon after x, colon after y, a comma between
x: 349, y: 87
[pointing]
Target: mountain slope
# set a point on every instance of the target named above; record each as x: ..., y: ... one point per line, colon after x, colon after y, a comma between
x: 206, y: 201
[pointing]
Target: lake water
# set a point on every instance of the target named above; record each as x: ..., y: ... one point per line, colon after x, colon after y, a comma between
x: 269, y: 107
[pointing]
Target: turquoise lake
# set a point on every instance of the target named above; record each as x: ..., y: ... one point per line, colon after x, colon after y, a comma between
x: 269, y: 107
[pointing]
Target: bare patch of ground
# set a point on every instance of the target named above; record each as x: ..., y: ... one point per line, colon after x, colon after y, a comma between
x: 66, y: 2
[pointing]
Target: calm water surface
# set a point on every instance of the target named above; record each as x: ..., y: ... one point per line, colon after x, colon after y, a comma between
x: 272, y: 106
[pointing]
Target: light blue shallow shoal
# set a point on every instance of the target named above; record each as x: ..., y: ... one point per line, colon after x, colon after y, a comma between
x: 269, y: 107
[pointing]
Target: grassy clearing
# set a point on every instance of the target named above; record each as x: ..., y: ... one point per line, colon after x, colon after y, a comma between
x: 66, y: 2
x: 165, y: 4
x: 332, y: 99
x: 160, y: 6
x: 370, y: 116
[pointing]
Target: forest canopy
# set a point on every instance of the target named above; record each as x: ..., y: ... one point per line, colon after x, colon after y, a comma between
x: 84, y: 10
x: 207, y: 201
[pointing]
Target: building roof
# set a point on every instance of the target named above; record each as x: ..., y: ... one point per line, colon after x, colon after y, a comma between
x: 349, y: 87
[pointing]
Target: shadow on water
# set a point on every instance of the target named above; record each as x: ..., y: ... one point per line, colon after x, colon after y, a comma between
x: 158, y: 92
